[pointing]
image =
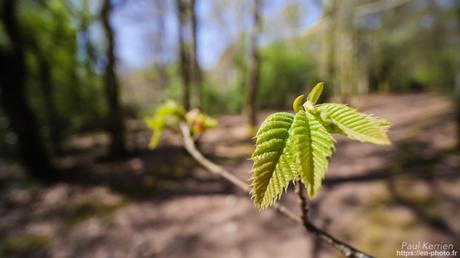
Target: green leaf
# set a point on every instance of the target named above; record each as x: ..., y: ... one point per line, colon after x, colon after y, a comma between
x: 312, y: 145
x: 166, y: 116
x: 355, y: 125
x: 273, y: 167
x: 157, y: 124
x: 170, y: 108
x: 155, y: 139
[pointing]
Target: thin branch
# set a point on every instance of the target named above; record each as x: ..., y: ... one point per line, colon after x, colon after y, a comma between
x: 346, y: 249
x: 302, y: 201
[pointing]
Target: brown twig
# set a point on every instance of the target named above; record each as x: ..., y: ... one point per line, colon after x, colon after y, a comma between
x: 345, y: 249
x: 302, y: 199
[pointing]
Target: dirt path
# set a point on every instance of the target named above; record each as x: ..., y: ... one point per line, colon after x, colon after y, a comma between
x: 159, y: 204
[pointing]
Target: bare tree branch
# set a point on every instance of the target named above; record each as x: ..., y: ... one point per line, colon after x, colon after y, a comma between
x: 253, y: 80
x: 346, y: 249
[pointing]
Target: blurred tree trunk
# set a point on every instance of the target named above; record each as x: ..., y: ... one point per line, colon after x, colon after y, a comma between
x: 253, y: 79
x: 159, y: 44
x: 13, y: 100
x: 363, y: 80
x: 50, y: 105
x: 362, y: 66
x: 184, y: 57
x: 327, y: 48
x: 327, y: 38
x: 197, y: 75
x: 344, y: 49
x: 116, y: 124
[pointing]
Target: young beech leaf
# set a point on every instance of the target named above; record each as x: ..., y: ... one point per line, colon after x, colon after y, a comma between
x: 311, y: 145
x: 289, y: 146
x: 355, y: 125
x: 166, y: 116
x: 273, y: 167
x: 170, y: 108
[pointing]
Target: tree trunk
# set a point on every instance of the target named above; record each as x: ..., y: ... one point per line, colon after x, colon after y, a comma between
x: 159, y: 45
x: 253, y: 79
x: 13, y: 100
x: 326, y: 62
x: 183, y: 53
x: 197, y: 75
x: 345, y: 49
x: 88, y: 47
x: 49, y: 103
x: 116, y: 125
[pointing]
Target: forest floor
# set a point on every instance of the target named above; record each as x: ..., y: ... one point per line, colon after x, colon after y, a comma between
x: 161, y: 204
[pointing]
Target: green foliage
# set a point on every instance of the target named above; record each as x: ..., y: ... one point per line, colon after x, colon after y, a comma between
x: 355, y: 125
x: 312, y: 145
x: 53, y: 50
x: 169, y: 115
x: 406, y: 53
x: 273, y: 161
x: 218, y: 100
x: 287, y: 68
x: 290, y: 146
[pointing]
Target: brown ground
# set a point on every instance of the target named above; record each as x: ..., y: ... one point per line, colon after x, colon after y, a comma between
x: 160, y: 204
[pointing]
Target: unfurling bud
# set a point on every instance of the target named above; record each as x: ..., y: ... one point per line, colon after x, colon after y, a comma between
x: 315, y: 93
x: 297, y: 104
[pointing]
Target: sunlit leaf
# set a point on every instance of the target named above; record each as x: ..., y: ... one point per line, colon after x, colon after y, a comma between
x: 355, y: 125
x: 273, y: 167
x: 311, y: 145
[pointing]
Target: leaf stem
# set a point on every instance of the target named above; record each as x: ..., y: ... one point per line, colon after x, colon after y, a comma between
x: 346, y: 249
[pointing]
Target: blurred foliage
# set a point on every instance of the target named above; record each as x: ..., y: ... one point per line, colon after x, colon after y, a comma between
x: 413, y: 47
x: 170, y: 115
x: 287, y: 69
x: 167, y: 116
x: 78, y: 93
x: 52, y: 60
x: 410, y: 47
